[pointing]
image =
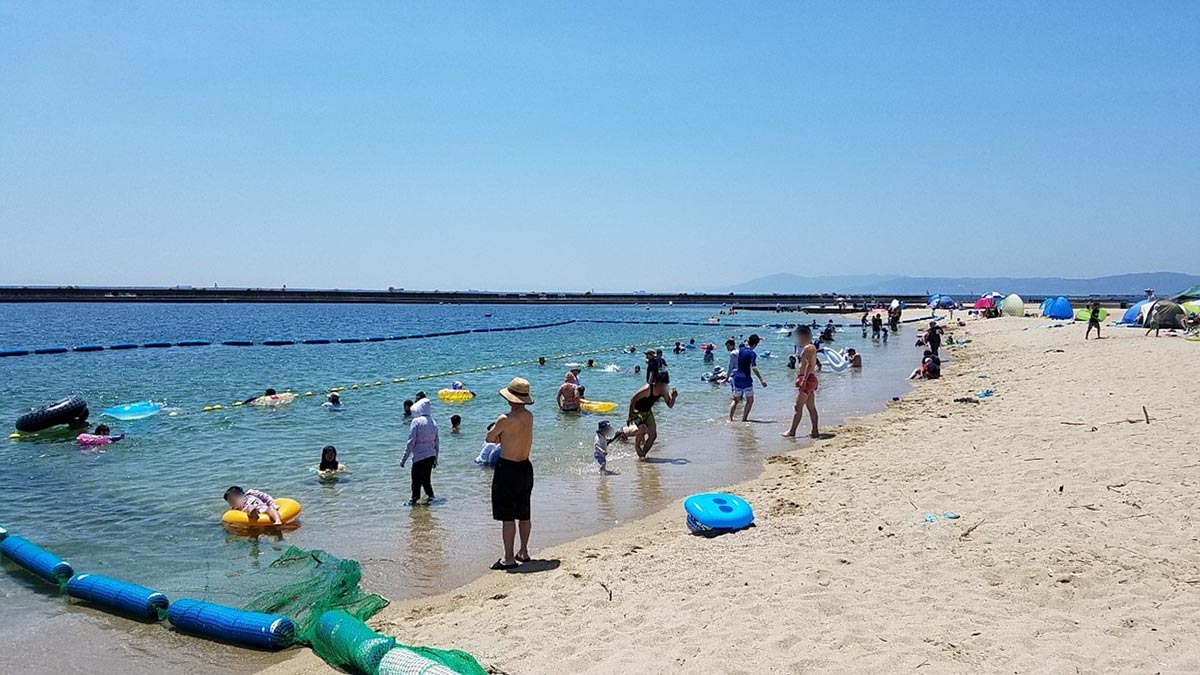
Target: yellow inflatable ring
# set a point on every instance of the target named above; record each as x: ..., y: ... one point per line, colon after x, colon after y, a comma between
x: 289, y: 510
x: 455, y: 395
x: 597, y: 406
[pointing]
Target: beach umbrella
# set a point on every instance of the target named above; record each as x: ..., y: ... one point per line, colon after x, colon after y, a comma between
x: 1012, y: 305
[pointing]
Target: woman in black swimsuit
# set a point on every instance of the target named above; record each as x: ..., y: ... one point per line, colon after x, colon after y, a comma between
x: 641, y: 412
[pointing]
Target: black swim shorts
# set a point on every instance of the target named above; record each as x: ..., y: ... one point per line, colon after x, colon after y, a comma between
x: 512, y: 485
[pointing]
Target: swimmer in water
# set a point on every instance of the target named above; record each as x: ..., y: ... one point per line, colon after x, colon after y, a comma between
x: 102, y: 436
x: 252, y: 399
x: 408, y: 405
x: 455, y: 423
x: 329, y: 465
x: 854, y: 358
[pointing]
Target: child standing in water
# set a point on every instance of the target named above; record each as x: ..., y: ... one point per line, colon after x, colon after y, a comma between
x: 423, y: 448
x: 600, y: 447
x: 329, y: 466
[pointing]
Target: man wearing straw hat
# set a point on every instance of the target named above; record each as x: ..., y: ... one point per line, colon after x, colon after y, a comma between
x: 512, y: 483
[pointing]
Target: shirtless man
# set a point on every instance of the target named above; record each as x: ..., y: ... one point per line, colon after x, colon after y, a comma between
x: 806, y: 382
x: 512, y: 483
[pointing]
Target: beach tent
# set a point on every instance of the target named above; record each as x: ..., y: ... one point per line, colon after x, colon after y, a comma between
x: 1046, y: 307
x: 984, y: 303
x: 1060, y: 309
x: 945, y: 301
x: 1166, y: 313
x: 1192, y: 307
x: 933, y: 300
x: 1012, y: 305
x: 1192, y: 293
x: 1133, y: 315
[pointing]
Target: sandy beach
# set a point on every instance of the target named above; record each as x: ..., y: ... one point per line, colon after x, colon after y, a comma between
x: 1076, y: 549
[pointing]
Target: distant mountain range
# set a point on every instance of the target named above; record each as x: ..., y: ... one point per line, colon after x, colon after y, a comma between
x: 1165, y: 283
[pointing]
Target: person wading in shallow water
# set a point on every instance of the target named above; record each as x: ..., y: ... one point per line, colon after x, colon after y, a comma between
x: 641, y: 412
x: 512, y: 483
x: 806, y: 382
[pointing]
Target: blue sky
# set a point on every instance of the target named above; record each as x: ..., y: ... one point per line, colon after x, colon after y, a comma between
x: 614, y: 146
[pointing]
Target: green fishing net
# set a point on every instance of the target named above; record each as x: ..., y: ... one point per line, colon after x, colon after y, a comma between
x: 320, y: 593
x: 306, y: 584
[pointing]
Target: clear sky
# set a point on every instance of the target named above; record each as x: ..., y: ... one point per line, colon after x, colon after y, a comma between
x: 615, y: 146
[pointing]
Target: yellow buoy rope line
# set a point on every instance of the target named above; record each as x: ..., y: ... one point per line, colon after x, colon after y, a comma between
x: 429, y: 376
x: 453, y: 373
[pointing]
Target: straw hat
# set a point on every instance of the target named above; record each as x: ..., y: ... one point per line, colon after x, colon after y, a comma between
x: 517, y: 391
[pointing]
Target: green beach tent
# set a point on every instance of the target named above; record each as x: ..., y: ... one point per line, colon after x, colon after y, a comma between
x: 1192, y: 293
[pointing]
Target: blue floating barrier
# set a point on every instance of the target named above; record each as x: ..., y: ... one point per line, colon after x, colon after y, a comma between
x: 119, y: 597
x: 14, y: 352
x: 50, y: 350
x: 123, y: 345
x: 88, y: 348
x: 348, y: 341
x: 235, y: 626
x: 278, y: 343
x: 35, y: 559
x: 238, y: 343
x: 157, y: 345
x: 193, y: 343
x: 317, y: 341
x: 400, y: 337
x: 376, y: 339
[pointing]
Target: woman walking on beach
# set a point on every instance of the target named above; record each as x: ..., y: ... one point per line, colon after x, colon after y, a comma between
x: 641, y: 412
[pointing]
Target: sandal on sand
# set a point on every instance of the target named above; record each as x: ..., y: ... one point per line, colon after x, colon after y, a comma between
x: 522, y: 560
x: 500, y: 566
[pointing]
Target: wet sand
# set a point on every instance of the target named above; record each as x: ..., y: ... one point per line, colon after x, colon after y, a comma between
x: 1076, y: 549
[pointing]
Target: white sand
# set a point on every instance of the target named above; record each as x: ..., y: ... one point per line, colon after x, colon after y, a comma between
x: 1077, y: 549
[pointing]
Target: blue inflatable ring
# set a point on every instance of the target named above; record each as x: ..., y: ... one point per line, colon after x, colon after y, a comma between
x: 714, y: 512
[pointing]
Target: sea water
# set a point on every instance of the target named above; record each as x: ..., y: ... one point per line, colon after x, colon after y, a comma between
x: 147, y: 509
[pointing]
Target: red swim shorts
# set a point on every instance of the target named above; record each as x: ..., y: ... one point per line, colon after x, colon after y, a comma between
x: 807, y: 383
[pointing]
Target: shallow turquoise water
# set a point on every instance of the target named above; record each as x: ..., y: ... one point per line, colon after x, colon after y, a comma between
x: 147, y: 509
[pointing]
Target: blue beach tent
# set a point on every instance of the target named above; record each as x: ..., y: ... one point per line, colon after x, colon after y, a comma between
x: 1060, y: 309
x: 1133, y: 315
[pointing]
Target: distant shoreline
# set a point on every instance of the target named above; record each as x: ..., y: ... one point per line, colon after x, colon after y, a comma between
x: 751, y: 301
